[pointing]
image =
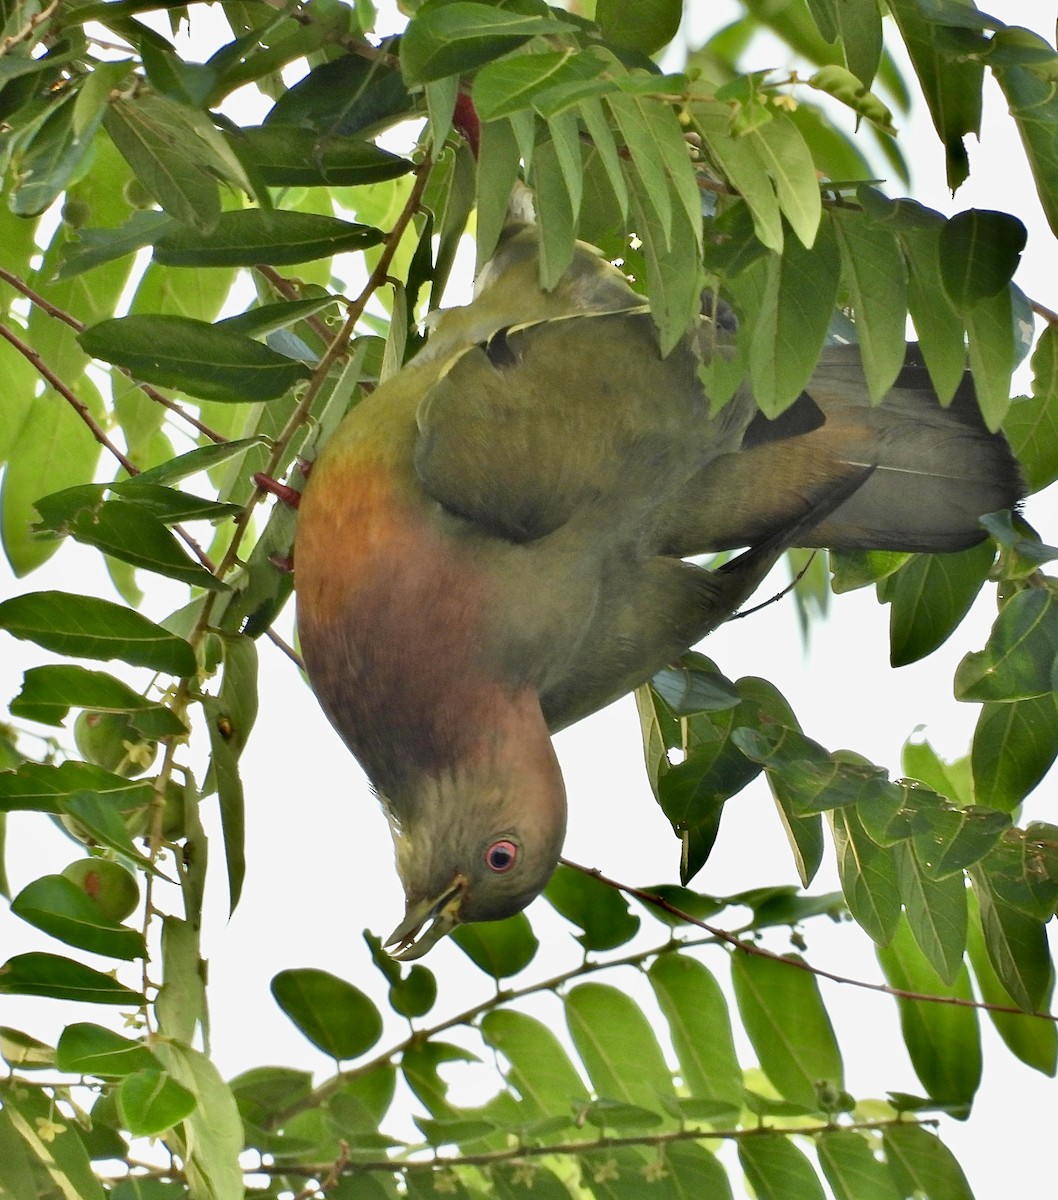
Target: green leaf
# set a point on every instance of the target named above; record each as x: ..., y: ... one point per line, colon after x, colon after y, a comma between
x: 499, y: 948
x: 451, y: 38
x: 1031, y: 423
x: 696, y: 1011
x: 39, y: 787
x: 539, y: 1067
x: 948, y: 840
x: 513, y: 83
x: 952, y: 86
x: 936, y: 912
x: 130, y: 533
x: 334, y: 1015
x: 600, y: 911
x: 694, y: 684
x: 646, y: 28
x: 1016, y: 943
x: 59, y: 907
x: 48, y: 694
x: 86, y: 1049
x: 990, y: 330
x: 979, y: 253
x: 617, y: 1045
x: 845, y: 86
x: 799, y: 299
x: 783, y: 1014
x: 1014, y: 744
x: 213, y: 1132
x: 150, y: 1102
x: 245, y: 237
x: 63, y: 1159
x: 942, y: 1040
x: 1033, y: 105
x: 38, y: 974
x: 1018, y: 659
x: 86, y: 627
x: 745, y: 170
x: 204, y: 458
x: 287, y: 156
x: 205, y: 360
x: 177, y: 154
x: 106, y: 823
x: 778, y: 1170
x: 928, y: 598
x: 939, y: 328
x: 868, y: 876
x: 873, y: 268
x: 923, y: 1165
x: 789, y: 162
x: 1032, y: 1039
x: 851, y: 1168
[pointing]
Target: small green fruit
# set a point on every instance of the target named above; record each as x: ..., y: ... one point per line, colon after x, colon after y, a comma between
x: 76, y: 213
x: 107, y: 883
x: 109, y: 740
x: 137, y: 196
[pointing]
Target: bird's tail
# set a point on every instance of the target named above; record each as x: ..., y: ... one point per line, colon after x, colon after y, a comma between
x: 933, y: 471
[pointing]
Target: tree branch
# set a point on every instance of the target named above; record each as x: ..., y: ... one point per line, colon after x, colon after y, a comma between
x: 747, y: 947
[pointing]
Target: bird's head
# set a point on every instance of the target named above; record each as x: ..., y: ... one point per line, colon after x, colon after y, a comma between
x: 479, y: 841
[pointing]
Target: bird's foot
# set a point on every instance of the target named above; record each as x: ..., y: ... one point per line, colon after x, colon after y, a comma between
x: 283, y: 563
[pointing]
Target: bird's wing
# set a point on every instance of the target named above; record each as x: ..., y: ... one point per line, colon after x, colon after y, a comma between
x: 543, y: 419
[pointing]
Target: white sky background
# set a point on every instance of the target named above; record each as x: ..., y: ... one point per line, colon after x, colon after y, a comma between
x: 319, y: 853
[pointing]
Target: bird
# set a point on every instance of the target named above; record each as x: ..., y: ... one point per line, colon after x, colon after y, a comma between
x: 499, y: 541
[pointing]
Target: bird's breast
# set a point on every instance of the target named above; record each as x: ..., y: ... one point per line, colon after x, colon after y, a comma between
x: 391, y: 609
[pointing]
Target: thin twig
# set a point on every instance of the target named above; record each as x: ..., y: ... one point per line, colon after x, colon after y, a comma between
x: 30, y: 27
x: 79, y: 406
x: 747, y: 947
x: 60, y: 314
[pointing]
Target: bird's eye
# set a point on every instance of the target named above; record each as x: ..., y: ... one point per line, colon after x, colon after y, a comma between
x: 500, y: 856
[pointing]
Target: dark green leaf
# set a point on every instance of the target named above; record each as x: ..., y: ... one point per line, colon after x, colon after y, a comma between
x: 1031, y: 423
x: 37, y: 974
x: 783, y: 1013
x: 1016, y: 943
x: 286, y: 156
x: 499, y: 948
x: 450, y: 38
x: 1013, y: 746
x: 929, y: 596
x: 868, y: 876
x: 1032, y: 1039
x: 1034, y: 106
x: 59, y: 907
x: 225, y: 743
x: 600, y: 911
x: 204, y: 458
x: 334, y: 1015
x: 1018, y: 658
x: 87, y: 627
x: 48, y: 693
x: 202, y: 359
x: 979, y: 252
x: 952, y: 86
x: 96, y: 246
x: 646, y: 28
x: 936, y: 911
x: 245, y: 237
x: 38, y: 787
x: 86, y: 1049
x: 694, y: 684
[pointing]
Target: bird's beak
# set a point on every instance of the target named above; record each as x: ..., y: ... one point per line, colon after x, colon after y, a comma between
x: 442, y: 910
